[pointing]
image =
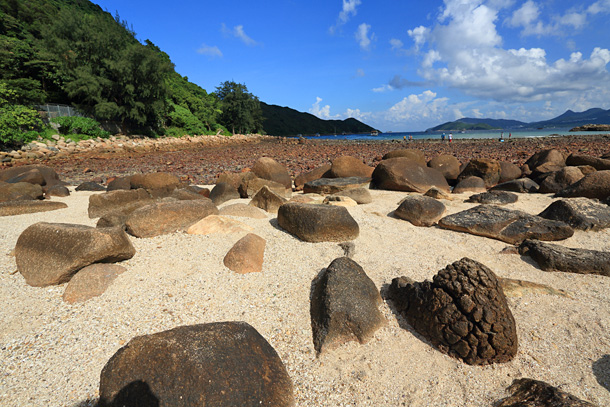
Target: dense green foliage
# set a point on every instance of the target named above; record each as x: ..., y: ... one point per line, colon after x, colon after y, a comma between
x: 80, y: 125
x: 17, y: 122
x: 241, y: 110
x: 283, y: 121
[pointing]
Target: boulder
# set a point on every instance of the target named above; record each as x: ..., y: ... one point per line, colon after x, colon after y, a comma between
x: 534, y: 393
x: 268, y: 168
x: 317, y: 223
x: 493, y: 198
x: 586, y: 169
x: 412, y: 154
x: 58, y: 191
x: 223, y: 192
x: 509, y: 171
x: 243, y: 210
x: 346, y: 167
x: 12, y: 208
x: 234, y: 179
x: 486, y: 169
x: 119, y: 183
x: 91, y: 281
x: 580, y: 213
x: 90, y: 186
x: 48, y: 174
x: 326, y: 186
x: 33, y: 176
x: 546, y: 161
x: 507, y: 225
x: 51, y: 253
x: 168, y: 217
x: 463, y: 312
x: 246, y: 256
x: 20, y: 191
x: 552, y: 257
x: 522, y: 185
x: 250, y: 186
x: 267, y: 200
x: 420, y: 210
x: 186, y: 194
x: 403, y: 174
x: 218, y: 224
x: 594, y: 185
x: 599, y: 164
x: 154, y: 181
x: 360, y: 195
x: 217, y: 364
x: 344, y: 306
x: 558, y: 180
x: 117, y: 200
x: 317, y: 173
x: 470, y: 184
x: 436, y: 193
x: 448, y: 165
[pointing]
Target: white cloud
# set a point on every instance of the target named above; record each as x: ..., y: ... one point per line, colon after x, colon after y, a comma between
x: 239, y: 33
x: 212, y: 52
x: 419, y: 35
x: 383, y: 88
x: 360, y: 73
x: 396, y: 44
x: 363, y: 38
x: 323, y: 112
x: 424, y: 107
x: 350, y: 9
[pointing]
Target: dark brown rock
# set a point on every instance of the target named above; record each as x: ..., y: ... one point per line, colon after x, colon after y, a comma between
x: 412, y: 154
x: 120, y: 183
x: 316, y: 173
x: 448, y: 165
x: 486, y: 169
x: 507, y: 225
x: 20, y: 191
x: 57, y: 190
x: 463, y: 312
x: 344, y: 306
x: 420, y: 210
x: 534, y: 393
x: 267, y: 200
x: 168, y: 217
x: 186, y: 194
x: 494, y: 198
x: 268, y: 168
x: 599, y: 164
x: 326, y: 186
x: 223, y: 192
x: 470, y: 184
x: 522, y: 185
x: 22, y: 207
x: 546, y: 161
x: 154, y: 180
x: 251, y: 185
x: 234, y: 179
x: 509, y: 171
x: 90, y: 186
x: 317, y: 223
x: 558, y: 180
x: 347, y: 166
x: 217, y: 364
x: 51, y: 253
x: 48, y: 173
x: 580, y: 213
x: 91, y: 281
x: 586, y: 169
x: 360, y: 195
x: 403, y: 174
x: 33, y: 176
x: 595, y: 185
x: 246, y: 256
x: 552, y: 257
x: 116, y: 200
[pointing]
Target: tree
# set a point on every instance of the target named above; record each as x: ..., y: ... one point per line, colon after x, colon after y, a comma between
x: 241, y: 110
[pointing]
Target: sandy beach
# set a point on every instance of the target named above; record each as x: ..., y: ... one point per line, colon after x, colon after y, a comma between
x: 52, y: 353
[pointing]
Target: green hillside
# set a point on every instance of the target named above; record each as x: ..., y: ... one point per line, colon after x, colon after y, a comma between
x: 459, y: 126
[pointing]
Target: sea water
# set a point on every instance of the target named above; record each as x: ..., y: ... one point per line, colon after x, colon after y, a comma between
x: 472, y: 134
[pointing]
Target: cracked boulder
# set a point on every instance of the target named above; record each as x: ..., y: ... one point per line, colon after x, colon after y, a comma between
x: 463, y: 312
x: 580, y: 213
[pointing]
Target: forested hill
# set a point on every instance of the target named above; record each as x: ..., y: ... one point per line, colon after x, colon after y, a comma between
x: 284, y: 121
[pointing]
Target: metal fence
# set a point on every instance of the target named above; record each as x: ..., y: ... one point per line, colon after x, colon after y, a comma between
x: 53, y: 111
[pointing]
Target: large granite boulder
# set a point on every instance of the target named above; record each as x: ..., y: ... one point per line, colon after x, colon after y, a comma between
x: 51, y: 253
x: 535, y: 393
x: 267, y: 200
x: 347, y: 166
x: 217, y: 364
x: 509, y: 171
x: 594, y: 185
x: 463, y: 312
x: 48, y: 174
x: 580, y: 213
x: 470, y: 184
x: 522, y: 185
x: 91, y: 281
x: 403, y: 174
x: 326, y: 186
x: 506, y: 225
x: 317, y: 173
x: 412, y: 154
x: 486, y: 169
x: 317, y: 223
x: 599, y: 164
x: 234, y: 178
x: 223, y: 192
x: 546, y: 161
x: 12, y: 208
x: 493, y: 198
x: 251, y: 185
x: 119, y: 183
x: 558, y: 180
x: 57, y: 190
x: 420, y: 210
x: 158, y: 184
x: 20, y: 191
x: 161, y: 218
x: 344, y: 306
x: 246, y: 256
x: 268, y: 168
x: 33, y: 176
x: 552, y: 257
x: 117, y: 200
x: 448, y: 165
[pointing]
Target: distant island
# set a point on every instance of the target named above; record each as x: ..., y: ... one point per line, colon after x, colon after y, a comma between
x: 591, y: 117
x: 592, y: 127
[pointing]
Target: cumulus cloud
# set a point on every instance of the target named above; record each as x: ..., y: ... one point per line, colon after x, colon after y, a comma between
x: 423, y: 107
x: 323, y: 112
x: 363, y: 37
x: 239, y: 33
x: 350, y: 9
x: 360, y: 73
x: 211, y: 52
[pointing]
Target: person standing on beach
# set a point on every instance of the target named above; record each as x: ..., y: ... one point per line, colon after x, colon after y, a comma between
x: 443, y: 137
x: 450, y: 137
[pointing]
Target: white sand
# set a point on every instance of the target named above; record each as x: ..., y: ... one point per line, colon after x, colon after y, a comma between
x: 52, y: 353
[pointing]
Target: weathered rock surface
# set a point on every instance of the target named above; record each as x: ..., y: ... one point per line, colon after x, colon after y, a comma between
x: 223, y: 192
x: 158, y: 184
x: 268, y: 168
x: 218, y: 224
x: 317, y: 223
x: 509, y: 171
x: 51, y: 253
x: 217, y: 364
x: 20, y: 191
x: 582, y: 159
x: 580, y: 213
x: 420, y: 210
x: 494, y: 198
x: 117, y: 200
x: 436, y: 193
x: 463, y: 312
x: 518, y: 288
x: 412, y: 154
x: 48, y: 174
x: 448, y: 165
x: 344, y: 306
x: 243, y: 210
x: 33, y: 176
x: 338, y: 200
x: 403, y: 174
x: 246, y: 256
x: 486, y: 169
x: 534, y: 393
x: 91, y: 281
x: 90, y: 186
x: 119, y: 183
x: 250, y: 187
x: 186, y: 194
x: 552, y: 257
x: 327, y: 186
x: 167, y: 217
x: 522, y: 185
x: 594, y: 185
x: 22, y: 207
x: 317, y: 173
x: 546, y: 161
x: 57, y: 190
x: 360, y: 195
x: 558, y: 180
x: 470, y: 184
x: 347, y: 166
x: 506, y: 225
x: 267, y: 200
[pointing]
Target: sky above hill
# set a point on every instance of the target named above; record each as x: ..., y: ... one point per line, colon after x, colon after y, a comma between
x: 394, y: 64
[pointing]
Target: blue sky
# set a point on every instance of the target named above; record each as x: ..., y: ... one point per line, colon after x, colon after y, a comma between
x: 397, y: 65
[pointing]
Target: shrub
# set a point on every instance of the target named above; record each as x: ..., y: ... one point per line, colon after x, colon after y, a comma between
x: 17, y: 122
x: 80, y: 125
x: 182, y: 118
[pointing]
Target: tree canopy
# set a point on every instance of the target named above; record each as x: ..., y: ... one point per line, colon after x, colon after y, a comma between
x: 241, y: 110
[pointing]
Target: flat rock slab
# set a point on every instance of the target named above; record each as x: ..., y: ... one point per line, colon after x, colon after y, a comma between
x: 535, y: 393
x: 22, y: 207
x: 506, y: 225
x: 327, y: 186
x: 552, y: 257
x: 218, y: 224
x: 217, y: 364
x: 91, y: 281
x: 244, y: 211
x: 494, y: 198
x: 317, y: 223
x: 101, y: 204
x: 523, y: 185
x: 20, y: 191
x: 51, y: 253
x: 580, y: 213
